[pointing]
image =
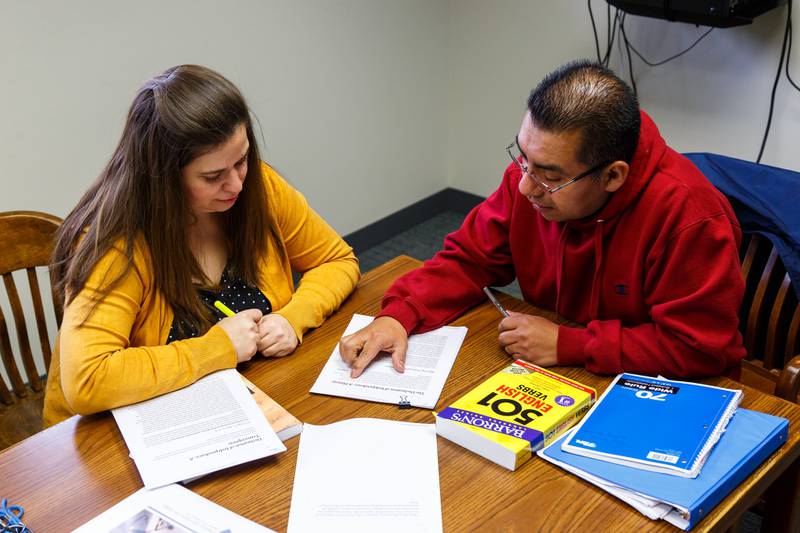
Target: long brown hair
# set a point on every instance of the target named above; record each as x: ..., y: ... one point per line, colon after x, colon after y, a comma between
x: 175, y: 117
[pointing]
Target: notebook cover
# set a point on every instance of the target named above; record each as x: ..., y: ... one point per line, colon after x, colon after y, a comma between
x: 652, y: 423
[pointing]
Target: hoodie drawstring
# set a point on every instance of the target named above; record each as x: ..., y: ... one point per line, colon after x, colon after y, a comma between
x: 562, y: 239
x: 594, y: 301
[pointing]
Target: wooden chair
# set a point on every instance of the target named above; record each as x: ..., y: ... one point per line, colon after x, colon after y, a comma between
x: 26, y: 242
x: 770, y: 321
x: 770, y: 324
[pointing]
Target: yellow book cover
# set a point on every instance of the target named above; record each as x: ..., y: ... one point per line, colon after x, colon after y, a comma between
x: 515, y: 412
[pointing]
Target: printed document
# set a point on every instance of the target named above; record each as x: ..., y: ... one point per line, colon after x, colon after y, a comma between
x: 367, y: 475
x: 171, y: 508
x: 207, y: 426
x: 429, y: 359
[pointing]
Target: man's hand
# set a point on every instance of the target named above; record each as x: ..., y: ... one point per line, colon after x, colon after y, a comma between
x: 384, y: 334
x: 276, y: 336
x: 531, y: 338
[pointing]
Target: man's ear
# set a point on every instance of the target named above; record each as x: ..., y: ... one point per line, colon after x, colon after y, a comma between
x: 615, y: 175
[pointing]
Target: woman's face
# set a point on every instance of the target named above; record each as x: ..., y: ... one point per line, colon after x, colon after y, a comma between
x: 212, y: 182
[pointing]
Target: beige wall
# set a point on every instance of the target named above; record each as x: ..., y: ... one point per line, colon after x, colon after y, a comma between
x: 366, y: 105
x: 715, y: 98
x: 349, y: 93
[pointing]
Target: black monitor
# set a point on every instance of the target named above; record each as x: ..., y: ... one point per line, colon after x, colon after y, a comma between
x: 719, y: 13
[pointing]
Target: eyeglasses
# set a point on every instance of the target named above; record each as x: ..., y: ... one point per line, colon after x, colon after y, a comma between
x: 518, y: 158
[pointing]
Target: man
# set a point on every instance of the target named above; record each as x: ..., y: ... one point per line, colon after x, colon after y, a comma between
x: 601, y: 222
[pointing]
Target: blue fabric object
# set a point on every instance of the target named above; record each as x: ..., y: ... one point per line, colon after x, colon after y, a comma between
x: 10, y: 518
x: 766, y: 201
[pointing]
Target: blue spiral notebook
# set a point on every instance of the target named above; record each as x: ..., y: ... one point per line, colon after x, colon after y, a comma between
x: 749, y: 439
x: 655, y: 424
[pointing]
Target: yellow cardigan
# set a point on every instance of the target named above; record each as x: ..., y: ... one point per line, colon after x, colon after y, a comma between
x: 119, y: 355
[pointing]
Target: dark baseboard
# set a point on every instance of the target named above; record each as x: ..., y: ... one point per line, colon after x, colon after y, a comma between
x: 445, y: 200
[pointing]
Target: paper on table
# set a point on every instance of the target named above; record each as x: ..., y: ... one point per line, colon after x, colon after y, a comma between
x: 170, y: 508
x: 368, y: 475
x: 428, y: 362
x: 651, y: 508
x: 207, y: 426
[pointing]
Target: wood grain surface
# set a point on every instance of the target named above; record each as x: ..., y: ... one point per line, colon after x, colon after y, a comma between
x: 73, y: 471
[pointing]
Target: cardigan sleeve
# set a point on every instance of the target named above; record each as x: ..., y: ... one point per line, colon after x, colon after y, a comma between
x: 328, y: 267
x: 101, y: 370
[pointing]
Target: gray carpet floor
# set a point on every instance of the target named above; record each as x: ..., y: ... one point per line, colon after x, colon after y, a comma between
x: 423, y: 241
x: 420, y: 242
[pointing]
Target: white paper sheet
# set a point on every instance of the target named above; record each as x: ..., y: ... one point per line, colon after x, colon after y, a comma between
x: 368, y: 475
x: 428, y: 362
x: 170, y: 508
x: 649, y: 507
x: 207, y: 426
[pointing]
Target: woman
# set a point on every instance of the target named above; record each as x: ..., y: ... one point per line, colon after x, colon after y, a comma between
x: 185, y: 214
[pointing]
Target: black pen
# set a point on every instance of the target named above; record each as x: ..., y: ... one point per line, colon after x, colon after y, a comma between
x: 494, y: 301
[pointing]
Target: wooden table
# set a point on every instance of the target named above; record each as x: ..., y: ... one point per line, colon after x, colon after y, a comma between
x: 75, y: 470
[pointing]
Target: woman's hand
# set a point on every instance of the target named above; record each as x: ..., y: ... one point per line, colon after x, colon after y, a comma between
x: 276, y: 336
x: 242, y: 328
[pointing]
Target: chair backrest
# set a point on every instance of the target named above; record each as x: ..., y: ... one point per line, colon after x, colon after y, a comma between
x: 26, y: 242
x: 770, y: 315
x: 765, y: 200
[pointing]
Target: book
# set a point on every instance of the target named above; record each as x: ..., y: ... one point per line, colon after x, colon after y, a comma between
x: 283, y: 423
x: 514, y: 413
x: 169, y: 508
x: 212, y: 424
x: 429, y: 359
x: 654, y: 423
x: 750, y: 438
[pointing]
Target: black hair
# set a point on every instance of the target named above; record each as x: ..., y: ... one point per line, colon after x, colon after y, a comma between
x: 588, y: 97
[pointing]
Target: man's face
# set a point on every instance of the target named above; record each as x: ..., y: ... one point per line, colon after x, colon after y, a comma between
x: 552, y: 158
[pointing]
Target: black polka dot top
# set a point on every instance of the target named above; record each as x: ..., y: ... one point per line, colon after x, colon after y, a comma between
x: 234, y: 293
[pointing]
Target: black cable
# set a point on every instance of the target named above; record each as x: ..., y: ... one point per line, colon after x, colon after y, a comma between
x: 594, y: 30
x: 628, y: 50
x: 611, y: 29
x: 789, y: 48
x: 670, y: 58
x: 611, y: 39
x: 775, y: 83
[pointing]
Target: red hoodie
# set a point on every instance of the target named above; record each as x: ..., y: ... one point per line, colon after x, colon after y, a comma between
x: 654, y: 274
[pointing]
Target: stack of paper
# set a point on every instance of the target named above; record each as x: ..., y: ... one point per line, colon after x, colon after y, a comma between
x: 367, y: 475
x: 207, y: 426
x: 429, y: 359
x: 170, y: 508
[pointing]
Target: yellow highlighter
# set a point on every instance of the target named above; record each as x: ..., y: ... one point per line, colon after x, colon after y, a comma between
x: 224, y: 308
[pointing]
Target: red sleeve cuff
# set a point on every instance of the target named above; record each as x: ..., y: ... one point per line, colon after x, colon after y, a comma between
x: 571, y: 349
x: 403, y: 313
